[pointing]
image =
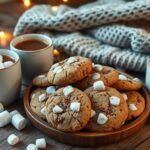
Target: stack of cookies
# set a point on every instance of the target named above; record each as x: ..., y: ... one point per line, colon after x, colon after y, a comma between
x: 77, y: 94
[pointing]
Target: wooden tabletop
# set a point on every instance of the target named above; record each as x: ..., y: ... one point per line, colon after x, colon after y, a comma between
x: 139, y: 141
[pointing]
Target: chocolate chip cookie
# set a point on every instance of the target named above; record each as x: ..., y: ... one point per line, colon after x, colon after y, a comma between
x: 106, y: 74
x: 109, y: 109
x: 68, y: 110
x: 136, y: 104
x: 38, y: 100
x: 126, y: 84
x: 70, y: 70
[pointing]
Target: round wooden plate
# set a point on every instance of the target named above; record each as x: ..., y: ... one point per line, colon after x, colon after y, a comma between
x: 84, y: 138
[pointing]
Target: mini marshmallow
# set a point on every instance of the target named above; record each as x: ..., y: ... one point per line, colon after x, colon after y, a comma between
x: 18, y: 121
x: 13, y: 139
x: 68, y: 90
x: 137, y: 80
x: 44, y: 111
x: 51, y: 89
x: 98, y: 67
x: 99, y: 85
x: 14, y: 112
x: 31, y: 147
x: 40, y: 143
x: 114, y: 100
x: 8, y: 64
x: 96, y: 76
x: 1, y: 107
x: 41, y: 76
x: 125, y: 96
x: 75, y: 106
x: 1, y: 66
x: 42, y: 97
x: 132, y: 107
x: 71, y: 60
x: 33, y: 96
x: 54, y: 66
x: 57, y: 109
x: 57, y: 69
x: 122, y: 77
x: 1, y: 58
x: 5, y: 118
x: 93, y: 113
x: 102, y: 118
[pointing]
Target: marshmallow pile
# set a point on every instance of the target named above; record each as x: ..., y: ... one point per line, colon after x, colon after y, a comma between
x: 5, y: 64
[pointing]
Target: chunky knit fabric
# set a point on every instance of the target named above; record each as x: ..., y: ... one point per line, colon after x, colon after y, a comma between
x: 95, y: 30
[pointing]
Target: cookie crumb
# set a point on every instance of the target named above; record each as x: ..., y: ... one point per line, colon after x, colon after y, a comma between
x: 114, y: 100
x: 102, y: 118
x: 75, y: 106
x: 68, y: 90
x: 132, y: 107
x: 57, y: 109
x: 99, y: 85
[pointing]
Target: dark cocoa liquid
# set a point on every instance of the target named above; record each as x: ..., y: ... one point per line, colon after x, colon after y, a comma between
x: 7, y: 58
x: 31, y: 45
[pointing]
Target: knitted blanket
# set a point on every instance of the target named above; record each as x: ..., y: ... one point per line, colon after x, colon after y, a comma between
x: 100, y: 31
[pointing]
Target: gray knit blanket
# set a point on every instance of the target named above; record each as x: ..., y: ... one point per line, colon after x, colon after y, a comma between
x: 110, y: 32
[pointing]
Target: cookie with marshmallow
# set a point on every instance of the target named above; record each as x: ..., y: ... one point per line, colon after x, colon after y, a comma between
x: 38, y: 100
x: 105, y: 74
x: 136, y: 104
x: 109, y: 109
x: 69, y: 109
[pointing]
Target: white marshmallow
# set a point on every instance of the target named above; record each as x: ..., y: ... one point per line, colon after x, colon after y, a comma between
x: 13, y: 139
x: 98, y: 67
x: 33, y: 96
x: 42, y: 97
x: 54, y: 66
x: 44, y: 111
x: 18, y: 121
x: 40, y: 143
x: 51, y: 89
x: 57, y: 109
x: 99, y: 85
x: 132, y: 107
x: 122, y: 77
x: 41, y: 76
x: 137, y: 80
x: 1, y: 107
x: 96, y: 76
x: 68, y: 90
x: 14, y: 112
x: 71, y: 60
x: 102, y: 118
x: 5, y: 118
x: 114, y: 100
x: 8, y: 64
x: 125, y: 96
x: 57, y: 69
x: 31, y: 147
x: 93, y: 113
x: 75, y: 106
x: 1, y: 58
x: 1, y: 66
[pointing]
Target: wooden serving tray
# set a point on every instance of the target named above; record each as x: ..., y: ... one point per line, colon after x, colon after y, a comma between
x: 84, y: 138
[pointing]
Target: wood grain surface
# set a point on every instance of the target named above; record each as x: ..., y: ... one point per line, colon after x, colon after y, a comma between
x: 140, y: 141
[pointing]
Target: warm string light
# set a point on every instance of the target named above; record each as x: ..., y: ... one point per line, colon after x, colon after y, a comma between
x: 27, y: 3
x: 56, y: 52
x: 54, y: 8
x: 5, y: 38
x: 65, y: 1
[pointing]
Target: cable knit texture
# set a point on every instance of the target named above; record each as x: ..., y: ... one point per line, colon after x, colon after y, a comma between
x: 97, y: 30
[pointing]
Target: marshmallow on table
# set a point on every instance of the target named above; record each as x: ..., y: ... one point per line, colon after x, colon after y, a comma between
x: 1, y: 66
x: 14, y: 112
x: 93, y: 113
x: 31, y: 147
x: 57, y: 109
x: 1, y: 107
x: 75, y: 106
x: 114, y: 100
x: 5, y: 118
x: 1, y: 58
x: 102, y: 118
x: 51, y: 89
x: 99, y: 85
x: 13, y: 139
x: 18, y: 121
x: 42, y: 97
x: 122, y: 77
x: 96, y: 76
x: 40, y: 143
x: 68, y: 90
x: 132, y: 107
x: 8, y: 64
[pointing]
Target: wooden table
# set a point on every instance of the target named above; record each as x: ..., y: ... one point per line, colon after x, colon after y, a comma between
x: 139, y: 141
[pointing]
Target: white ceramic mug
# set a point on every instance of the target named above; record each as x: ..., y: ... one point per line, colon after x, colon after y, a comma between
x: 10, y: 79
x: 34, y: 62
